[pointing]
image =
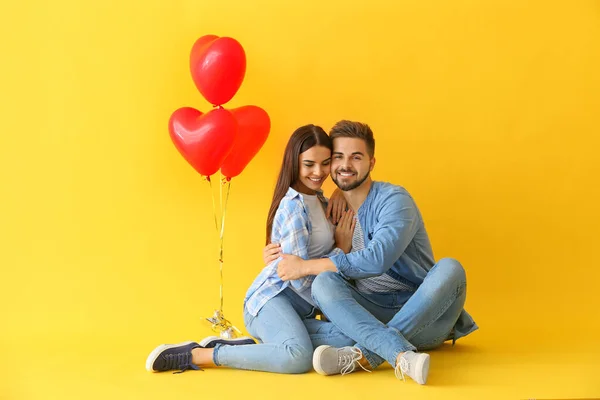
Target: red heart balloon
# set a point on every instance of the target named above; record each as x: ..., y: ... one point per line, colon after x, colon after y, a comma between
x: 253, y: 129
x: 218, y: 66
x: 204, y: 140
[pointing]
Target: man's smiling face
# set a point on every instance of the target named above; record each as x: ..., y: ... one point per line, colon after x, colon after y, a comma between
x: 350, y: 163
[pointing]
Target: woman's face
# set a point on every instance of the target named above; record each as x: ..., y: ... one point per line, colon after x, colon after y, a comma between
x: 314, y: 166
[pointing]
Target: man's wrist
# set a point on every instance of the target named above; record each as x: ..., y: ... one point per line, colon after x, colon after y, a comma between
x: 304, y: 268
x: 315, y: 267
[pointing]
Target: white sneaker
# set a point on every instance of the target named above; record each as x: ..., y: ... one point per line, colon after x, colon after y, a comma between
x: 329, y: 360
x: 415, y: 365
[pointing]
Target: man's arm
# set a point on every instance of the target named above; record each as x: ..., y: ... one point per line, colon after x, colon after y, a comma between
x: 398, y: 222
x: 293, y: 268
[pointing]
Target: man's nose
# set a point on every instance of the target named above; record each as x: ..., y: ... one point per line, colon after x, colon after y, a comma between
x: 345, y: 163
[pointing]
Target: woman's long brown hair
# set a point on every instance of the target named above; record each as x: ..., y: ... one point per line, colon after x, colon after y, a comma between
x: 301, y: 140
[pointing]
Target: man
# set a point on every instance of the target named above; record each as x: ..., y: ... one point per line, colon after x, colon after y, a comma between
x: 388, y: 294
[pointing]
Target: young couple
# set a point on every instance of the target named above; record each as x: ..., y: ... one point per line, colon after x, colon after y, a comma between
x: 373, y: 276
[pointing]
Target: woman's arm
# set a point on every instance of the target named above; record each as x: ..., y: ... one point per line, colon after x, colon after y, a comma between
x: 291, y: 229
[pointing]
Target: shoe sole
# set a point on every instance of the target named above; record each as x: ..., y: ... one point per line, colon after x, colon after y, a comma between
x: 234, y: 342
x: 156, y: 352
x: 318, y: 351
x: 423, y: 366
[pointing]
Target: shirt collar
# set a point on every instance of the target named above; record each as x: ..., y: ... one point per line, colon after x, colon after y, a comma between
x: 291, y: 193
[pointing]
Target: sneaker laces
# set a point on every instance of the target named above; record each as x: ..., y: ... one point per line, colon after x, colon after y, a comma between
x: 349, y: 359
x: 401, y: 368
x: 180, y: 361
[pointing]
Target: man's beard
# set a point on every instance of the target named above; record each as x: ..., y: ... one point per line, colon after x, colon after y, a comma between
x: 349, y: 186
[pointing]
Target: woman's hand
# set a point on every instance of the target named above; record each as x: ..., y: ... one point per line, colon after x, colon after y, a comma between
x: 336, y: 206
x: 271, y: 252
x: 344, y: 231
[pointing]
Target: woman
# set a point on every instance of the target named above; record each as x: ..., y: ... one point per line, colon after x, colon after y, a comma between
x: 280, y: 314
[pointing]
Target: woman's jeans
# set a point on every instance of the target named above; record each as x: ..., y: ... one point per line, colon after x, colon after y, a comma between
x: 289, y: 333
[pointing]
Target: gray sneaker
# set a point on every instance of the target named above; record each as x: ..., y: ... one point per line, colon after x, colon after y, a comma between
x: 329, y: 360
x: 415, y: 365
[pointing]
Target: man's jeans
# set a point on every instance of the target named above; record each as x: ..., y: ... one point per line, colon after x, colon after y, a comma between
x: 288, y: 331
x: 386, y: 324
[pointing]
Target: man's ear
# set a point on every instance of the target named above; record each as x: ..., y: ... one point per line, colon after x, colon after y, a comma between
x: 372, y: 164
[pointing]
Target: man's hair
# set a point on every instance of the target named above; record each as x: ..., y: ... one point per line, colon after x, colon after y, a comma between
x: 358, y: 130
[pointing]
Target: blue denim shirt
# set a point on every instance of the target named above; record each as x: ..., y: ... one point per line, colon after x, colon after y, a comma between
x: 292, y: 229
x: 396, y: 243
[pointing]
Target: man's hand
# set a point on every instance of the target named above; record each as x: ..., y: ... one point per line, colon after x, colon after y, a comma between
x: 336, y: 206
x: 271, y: 252
x: 290, y: 268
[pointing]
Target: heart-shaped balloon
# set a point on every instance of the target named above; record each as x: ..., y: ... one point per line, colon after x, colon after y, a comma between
x: 218, y: 66
x: 204, y: 140
x: 253, y: 129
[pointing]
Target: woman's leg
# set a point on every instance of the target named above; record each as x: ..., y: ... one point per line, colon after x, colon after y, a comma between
x: 286, y: 346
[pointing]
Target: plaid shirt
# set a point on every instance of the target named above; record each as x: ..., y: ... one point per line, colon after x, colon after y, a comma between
x: 291, y: 229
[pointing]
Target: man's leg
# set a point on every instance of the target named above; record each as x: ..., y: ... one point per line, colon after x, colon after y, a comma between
x: 429, y: 315
x: 352, y: 313
x: 326, y: 333
x: 439, y: 298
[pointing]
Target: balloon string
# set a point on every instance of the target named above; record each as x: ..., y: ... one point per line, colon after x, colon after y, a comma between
x: 222, y: 236
x: 214, y: 205
x: 219, y: 322
x: 221, y: 243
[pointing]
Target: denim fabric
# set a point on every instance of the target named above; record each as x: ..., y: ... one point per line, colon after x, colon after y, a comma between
x: 396, y: 244
x: 287, y: 331
x: 386, y: 324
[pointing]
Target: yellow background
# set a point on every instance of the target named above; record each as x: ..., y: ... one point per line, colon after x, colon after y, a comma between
x: 487, y: 112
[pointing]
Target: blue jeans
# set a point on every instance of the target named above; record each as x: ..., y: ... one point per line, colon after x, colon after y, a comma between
x: 289, y: 333
x: 386, y: 324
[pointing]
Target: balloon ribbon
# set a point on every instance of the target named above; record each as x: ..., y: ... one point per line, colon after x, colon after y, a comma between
x: 219, y: 323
